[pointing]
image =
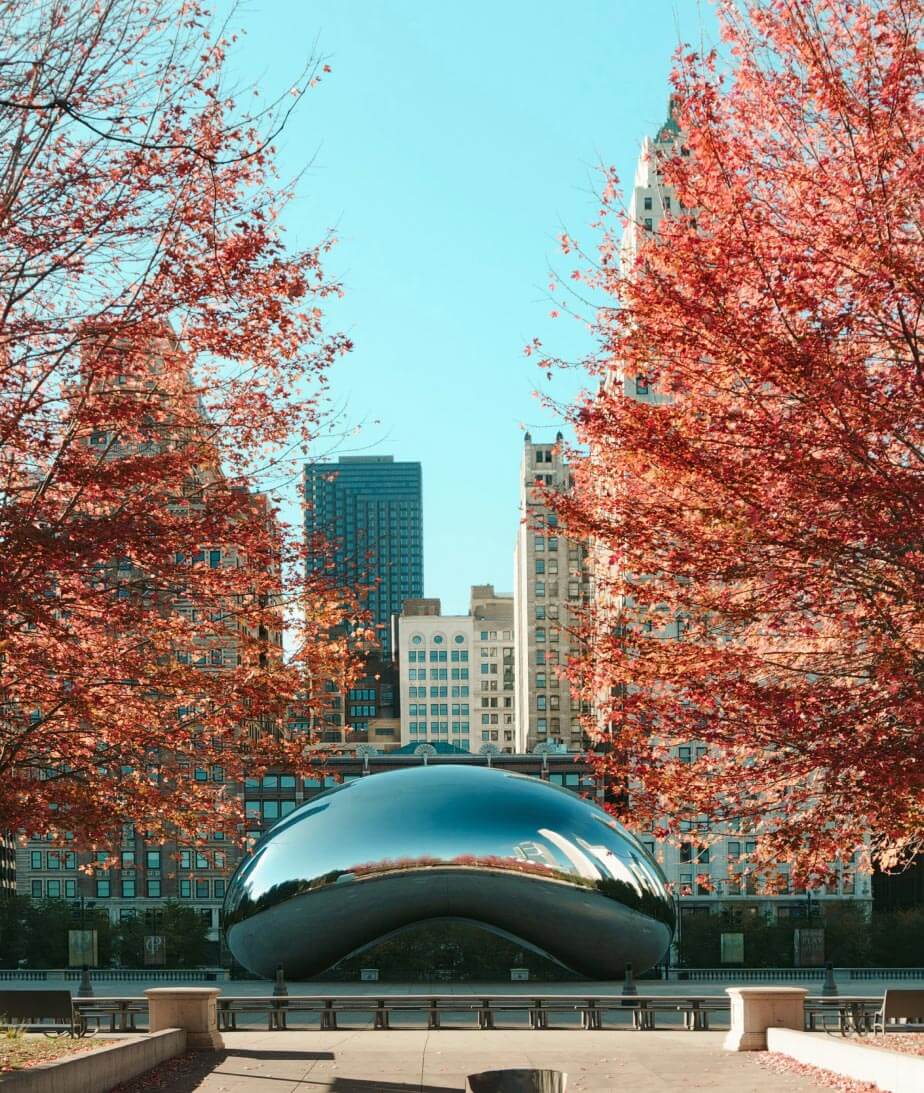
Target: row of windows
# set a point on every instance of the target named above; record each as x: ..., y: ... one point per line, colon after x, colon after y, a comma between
x: 420, y: 728
x: 437, y: 656
x: 129, y: 859
x: 419, y: 674
x: 271, y: 781
x: 543, y: 725
x: 269, y: 810
x: 540, y: 542
x: 437, y: 709
x: 547, y: 565
x: 198, y: 859
x: 437, y: 639
x: 550, y: 702
x: 574, y: 589
x: 439, y: 692
x: 491, y: 635
x: 362, y: 711
x: 128, y: 889
x: 216, y: 773
x: 56, y: 859
x: 544, y: 657
x: 362, y: 694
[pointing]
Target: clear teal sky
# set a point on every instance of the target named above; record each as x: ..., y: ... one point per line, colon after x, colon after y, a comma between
x: 450, y: 146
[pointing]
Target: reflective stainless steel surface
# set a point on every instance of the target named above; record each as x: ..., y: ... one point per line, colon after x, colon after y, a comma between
x: 512, y: 853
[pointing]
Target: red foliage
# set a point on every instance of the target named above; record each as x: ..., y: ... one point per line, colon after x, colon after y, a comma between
x: 159, y: 348
x: 769, y: 507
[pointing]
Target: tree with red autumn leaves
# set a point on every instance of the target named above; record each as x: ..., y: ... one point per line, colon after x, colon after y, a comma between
x: 758, y: 526
x: 160, y: 349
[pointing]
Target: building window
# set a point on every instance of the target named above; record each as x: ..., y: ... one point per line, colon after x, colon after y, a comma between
x: 128, y: 887
x: 202, y: 889
x: 647, y: 203
x: 36, y: 859
x: 185, y: 889
x: 153, y: 888
x: 152, y: 859
x: 36, y: 889
x: 648, y: 224
x: 102, y: 889
x: 540, y: 565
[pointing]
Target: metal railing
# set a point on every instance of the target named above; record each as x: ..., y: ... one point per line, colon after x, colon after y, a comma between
x: 789, y: 975
x: 330, y: 1012
x: 116, y: 975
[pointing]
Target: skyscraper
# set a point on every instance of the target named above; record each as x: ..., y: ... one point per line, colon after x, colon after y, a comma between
x: 370, y: 509
x: 551, y: 584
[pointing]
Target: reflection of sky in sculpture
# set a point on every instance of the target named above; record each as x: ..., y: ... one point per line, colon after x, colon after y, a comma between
x: 434, y: 822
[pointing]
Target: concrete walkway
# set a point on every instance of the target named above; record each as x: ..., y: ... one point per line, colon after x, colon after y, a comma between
x: 437, y: 1062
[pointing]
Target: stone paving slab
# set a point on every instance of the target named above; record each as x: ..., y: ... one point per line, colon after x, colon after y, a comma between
x: 438, y: 1061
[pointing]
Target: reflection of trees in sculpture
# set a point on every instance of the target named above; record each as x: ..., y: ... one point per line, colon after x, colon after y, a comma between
x: 635, y: 897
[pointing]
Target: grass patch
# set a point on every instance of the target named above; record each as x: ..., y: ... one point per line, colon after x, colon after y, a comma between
x: 19, y: 1050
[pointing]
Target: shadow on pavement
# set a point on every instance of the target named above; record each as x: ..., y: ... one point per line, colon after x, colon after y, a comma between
x: 231, y: 1053
x: 185, y: 1073
x: 360, y: 1085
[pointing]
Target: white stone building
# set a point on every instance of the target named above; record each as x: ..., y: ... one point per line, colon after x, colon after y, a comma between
x: 456, y: 673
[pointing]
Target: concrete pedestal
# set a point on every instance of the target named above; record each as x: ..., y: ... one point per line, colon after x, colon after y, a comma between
x: 194, y: 1009
x: 755, y: 1009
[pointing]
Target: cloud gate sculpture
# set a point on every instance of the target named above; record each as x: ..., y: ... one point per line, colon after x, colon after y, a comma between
x: 508, y: 852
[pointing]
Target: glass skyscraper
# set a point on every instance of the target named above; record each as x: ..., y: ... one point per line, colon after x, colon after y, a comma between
x: 369, y: 508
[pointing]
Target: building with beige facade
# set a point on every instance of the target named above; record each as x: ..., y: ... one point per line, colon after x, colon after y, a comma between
x: 551, y: 586
x: 456, y: 673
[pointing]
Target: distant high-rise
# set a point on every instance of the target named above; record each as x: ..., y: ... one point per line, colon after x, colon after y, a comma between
x: 370, y: 509
x: 551, y: 586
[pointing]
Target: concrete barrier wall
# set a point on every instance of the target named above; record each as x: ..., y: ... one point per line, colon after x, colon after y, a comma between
x: 100, y: 1070
x: 892, y: 1071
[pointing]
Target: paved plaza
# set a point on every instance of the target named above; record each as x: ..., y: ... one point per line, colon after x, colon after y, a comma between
x: 438, y: 1062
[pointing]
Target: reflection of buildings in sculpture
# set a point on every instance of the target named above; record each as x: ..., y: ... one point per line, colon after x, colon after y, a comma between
x: 456, y: 672
x: 708, y: 867
x: 533, y: 852
x: 7, y: 866
x: 551, y: 584
x: 449, y: 840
